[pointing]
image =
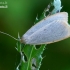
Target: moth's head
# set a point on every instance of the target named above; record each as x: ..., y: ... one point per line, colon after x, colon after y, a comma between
x: 22, y: 40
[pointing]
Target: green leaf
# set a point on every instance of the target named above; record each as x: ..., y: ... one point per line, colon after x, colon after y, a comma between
x: 34, y: 57
x: 57, y: 6
x: 19, y: 45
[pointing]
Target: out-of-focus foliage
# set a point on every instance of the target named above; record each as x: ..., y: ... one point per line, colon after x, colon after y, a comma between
x: 19, y: 17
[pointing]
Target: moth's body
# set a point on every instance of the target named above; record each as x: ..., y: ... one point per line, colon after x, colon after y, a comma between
x: 51, y: 29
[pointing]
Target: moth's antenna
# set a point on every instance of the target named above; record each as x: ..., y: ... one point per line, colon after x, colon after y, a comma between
x: 9, y: 35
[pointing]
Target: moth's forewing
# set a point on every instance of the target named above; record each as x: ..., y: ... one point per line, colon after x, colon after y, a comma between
x: 58, y: 16
x: 56, y: 31
x: 50, y: 29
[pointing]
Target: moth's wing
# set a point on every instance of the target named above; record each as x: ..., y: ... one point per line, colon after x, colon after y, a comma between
x: 53, y: 32
x: 62, y: 16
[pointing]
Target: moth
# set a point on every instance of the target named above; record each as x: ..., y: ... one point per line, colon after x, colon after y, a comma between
x: 51, y: 29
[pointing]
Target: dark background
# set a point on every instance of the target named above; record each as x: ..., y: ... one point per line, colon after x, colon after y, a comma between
x: 19, y: 17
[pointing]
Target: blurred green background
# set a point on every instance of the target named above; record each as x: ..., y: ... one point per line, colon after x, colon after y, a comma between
x: 19, y: 17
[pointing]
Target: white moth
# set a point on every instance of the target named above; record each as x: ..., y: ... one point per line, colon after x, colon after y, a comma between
x: 51, y: 29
